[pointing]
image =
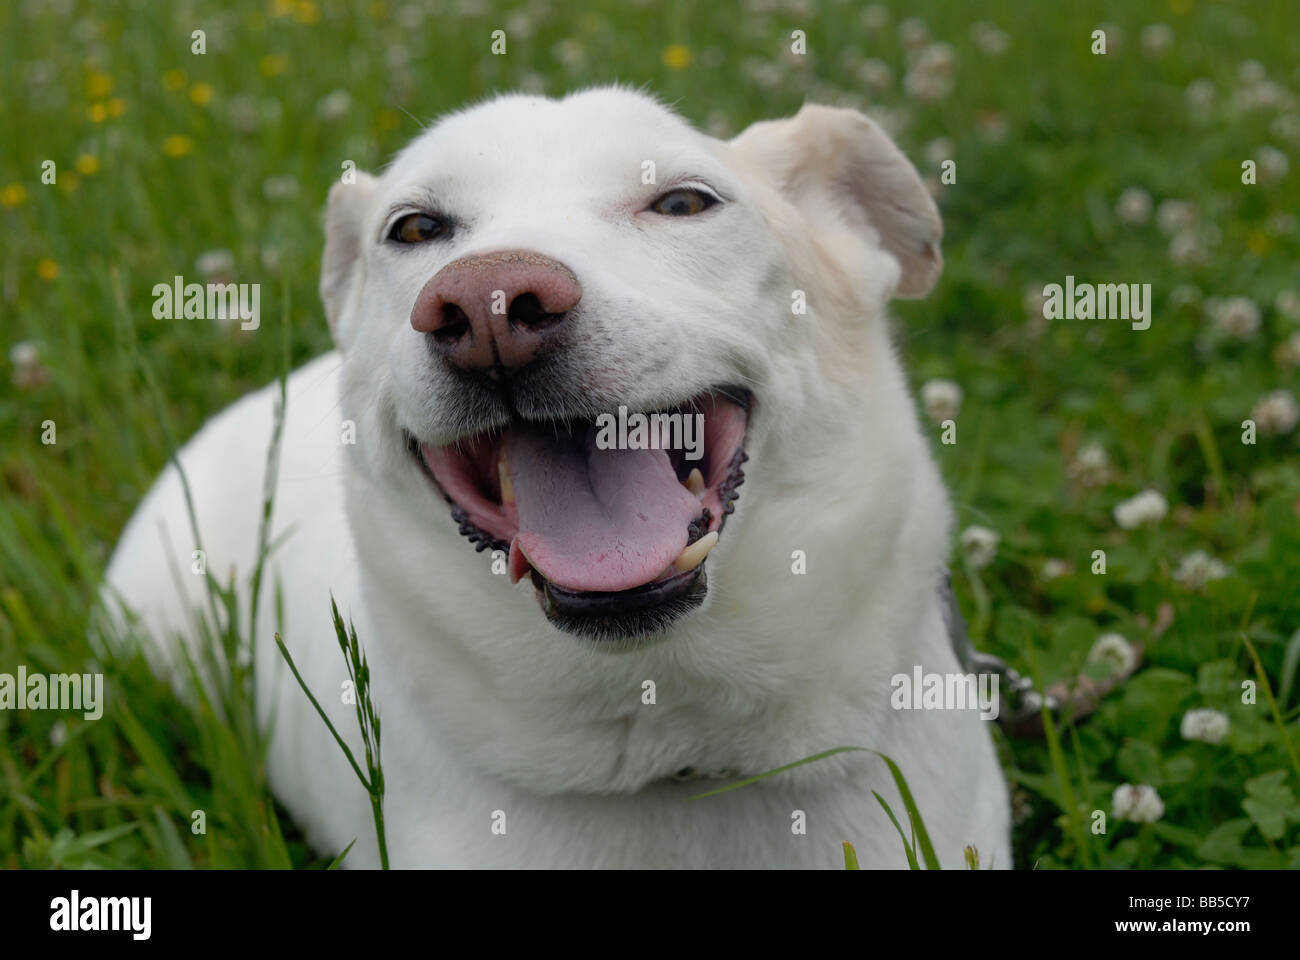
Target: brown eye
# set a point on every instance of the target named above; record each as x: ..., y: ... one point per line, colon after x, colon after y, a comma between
x: 418, y: 228
x: 683, y: 203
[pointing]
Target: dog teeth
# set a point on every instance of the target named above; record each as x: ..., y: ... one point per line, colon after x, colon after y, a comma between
x: 503, y: 471
x: 694, y: 554
x: 695, y: 482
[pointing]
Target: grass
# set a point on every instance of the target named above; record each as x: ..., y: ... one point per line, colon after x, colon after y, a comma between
x: 163, y: 155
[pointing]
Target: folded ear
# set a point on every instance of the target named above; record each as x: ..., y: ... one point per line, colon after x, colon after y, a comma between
x: 837, y: 162
x: 340, y: 268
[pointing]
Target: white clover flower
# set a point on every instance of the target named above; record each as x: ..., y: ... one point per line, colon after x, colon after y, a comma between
x: 29, y: 371
x: 24, y: 354
x: 519, y: 25
x: 874, y: 16
x: 980, y: 545
x: 244, y: 114
x: 1053, y: 568
x: 1200, y: 94
x: 1286, y: 127
x: 1091, y: 465
x: 1237, y: 317
x: 767, y: 74
x: 989, y: 38
x: 1149, y: 506
x: 1186, y: 248
x: 1198, y: 568
x: 1265, y: 95
x: 1139, y: 803
x: 58, y: 734
x: 1134, y: 206
x: 913, y: 32
x: 1175, y: 216
x: 1272, y: 163
x: 216, y: 265
x: 569, y: 52
x: 937, y: 151
x: 1034, y: 301
x: 1287, y: 353
x: 1208, y: 726
x: 1276, y: 413
x: 1157, y: 38
x: 875, y: 75
x: 1287, y: 303
x: 1280, y: 224
x: 334, y: 104
x: 893, y: 122
x: 1113, y: 649
x: 277, y: 188
x: 941, y: 399
x: 1251, y: 71
x: 930, y: 76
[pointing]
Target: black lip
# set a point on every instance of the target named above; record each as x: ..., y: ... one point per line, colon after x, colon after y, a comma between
x: 626, y: 614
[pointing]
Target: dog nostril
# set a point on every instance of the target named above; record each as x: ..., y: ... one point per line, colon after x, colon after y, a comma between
x: 526, y: 311
x: 454, y: 325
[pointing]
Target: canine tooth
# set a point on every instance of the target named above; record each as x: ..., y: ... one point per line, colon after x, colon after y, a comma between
x: 694, y: 554
x: 507, y: 488
x: 695, y: 482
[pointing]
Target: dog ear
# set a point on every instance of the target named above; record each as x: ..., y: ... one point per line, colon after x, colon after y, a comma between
x: 341, y: 263
x: 838, y: 162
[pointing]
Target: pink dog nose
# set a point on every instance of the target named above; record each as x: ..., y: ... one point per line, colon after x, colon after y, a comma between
x: 493, y: 310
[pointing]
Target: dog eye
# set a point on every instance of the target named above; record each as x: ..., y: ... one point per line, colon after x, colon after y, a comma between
x: 419, y: 228
x: 683, y: 203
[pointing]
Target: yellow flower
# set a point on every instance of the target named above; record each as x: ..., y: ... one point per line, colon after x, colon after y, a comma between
x: 69, y: 181
x: 282, y: 8
x: 47, y: 269
x: 677, y: 56
x: 178, y: 145
x: 116, y: 107
x: 88, y: 164
x: 97, y: 113
x: 98, y: 85
x: 304, y: 11
x: 1259, y: 242
x: 273, y: 64
x: 12, y: 194
x: 201, y: 94
x: 388, y: 119
x: 173, y: 79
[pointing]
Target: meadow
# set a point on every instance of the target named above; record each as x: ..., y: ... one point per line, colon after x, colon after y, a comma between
x: 1073, y: 436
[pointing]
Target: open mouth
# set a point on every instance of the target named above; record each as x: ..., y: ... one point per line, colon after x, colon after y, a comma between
x: 613, y: 517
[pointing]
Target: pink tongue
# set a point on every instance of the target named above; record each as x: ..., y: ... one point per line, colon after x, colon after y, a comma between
x: 592, y: 519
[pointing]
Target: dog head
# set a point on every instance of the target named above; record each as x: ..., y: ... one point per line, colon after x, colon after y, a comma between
x: 572, y: 327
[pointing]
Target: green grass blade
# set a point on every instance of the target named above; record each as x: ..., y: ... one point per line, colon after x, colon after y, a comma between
x: 907, y: 848
x: 922, y: 835
x: 850, y: 857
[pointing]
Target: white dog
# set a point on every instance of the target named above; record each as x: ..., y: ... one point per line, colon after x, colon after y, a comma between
x: 526, y: 267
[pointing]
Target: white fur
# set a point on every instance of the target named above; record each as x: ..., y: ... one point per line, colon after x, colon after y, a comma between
x: 485, y: 706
